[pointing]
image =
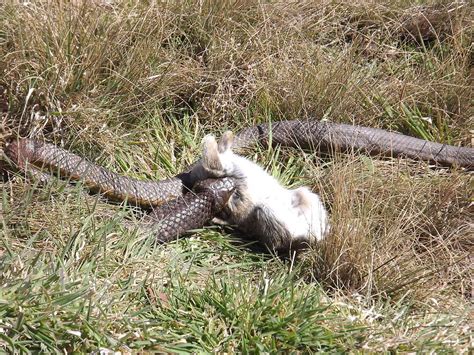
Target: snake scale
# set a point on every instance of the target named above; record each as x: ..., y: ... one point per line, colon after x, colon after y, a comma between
x: 176, y: 209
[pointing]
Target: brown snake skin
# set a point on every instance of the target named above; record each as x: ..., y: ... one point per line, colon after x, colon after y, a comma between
x: 194, y: 209
x: 168, y: 219
x: 116, y: 187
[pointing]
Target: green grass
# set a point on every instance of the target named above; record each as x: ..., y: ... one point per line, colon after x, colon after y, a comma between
x: 136, y: 86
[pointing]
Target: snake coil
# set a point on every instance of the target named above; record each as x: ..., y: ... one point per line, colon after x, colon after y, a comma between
x: 176, y: 209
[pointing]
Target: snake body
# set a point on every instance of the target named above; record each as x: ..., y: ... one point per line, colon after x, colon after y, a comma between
x: 114, y: 186
x: 188, y: 210
x: 328, y: 136
x: 169, y: 217
x: 192, y: 211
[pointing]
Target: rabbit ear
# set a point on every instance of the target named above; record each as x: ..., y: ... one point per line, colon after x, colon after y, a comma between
x: 301, y: 198
x: 210, y: 153
x: 226, y: 141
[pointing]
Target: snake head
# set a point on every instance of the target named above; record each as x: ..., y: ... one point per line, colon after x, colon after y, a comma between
x: 17, y: 150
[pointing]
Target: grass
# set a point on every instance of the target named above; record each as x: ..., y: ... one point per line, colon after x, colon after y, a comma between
x: 135, y: 86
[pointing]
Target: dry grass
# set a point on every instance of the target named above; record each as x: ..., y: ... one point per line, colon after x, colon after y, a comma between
x: 136, y: 85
